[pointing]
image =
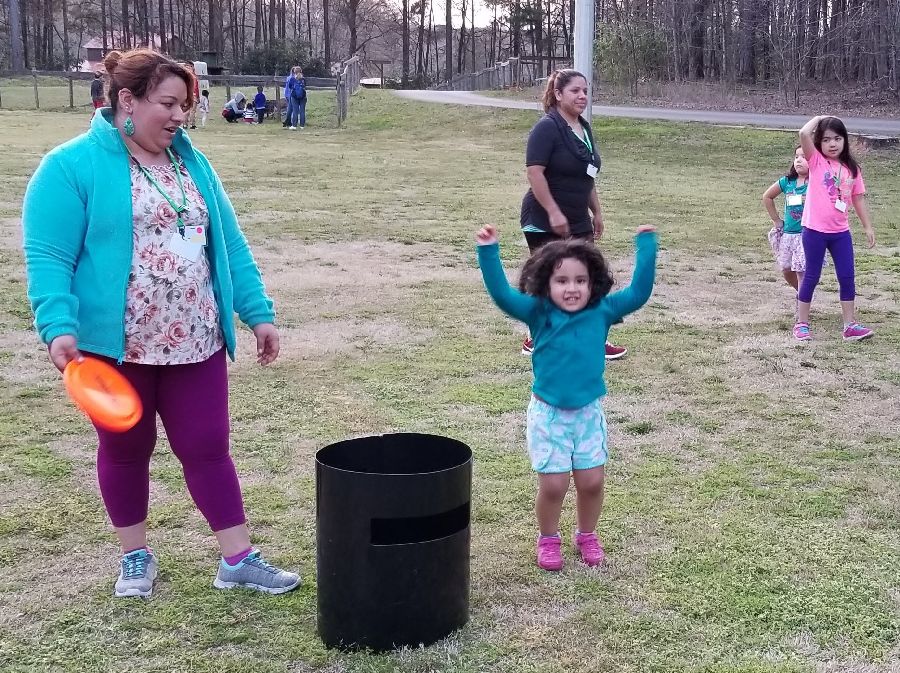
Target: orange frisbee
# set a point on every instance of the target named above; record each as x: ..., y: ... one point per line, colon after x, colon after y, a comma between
x: 103, y: 394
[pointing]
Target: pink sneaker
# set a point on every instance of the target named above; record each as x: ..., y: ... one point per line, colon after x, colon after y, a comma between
x: 590, y: 548
x: 801, y: 331
x: 549, y: 555
x: 614, y: 352
x: 856, y: 332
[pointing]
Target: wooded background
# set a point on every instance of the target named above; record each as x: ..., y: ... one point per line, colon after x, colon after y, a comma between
x: 787, y: 43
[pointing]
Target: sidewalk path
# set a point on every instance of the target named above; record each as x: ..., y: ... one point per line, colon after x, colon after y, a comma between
x: 866, y: 125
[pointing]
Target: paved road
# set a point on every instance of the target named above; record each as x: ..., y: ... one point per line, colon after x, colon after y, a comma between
x: 867, y: 125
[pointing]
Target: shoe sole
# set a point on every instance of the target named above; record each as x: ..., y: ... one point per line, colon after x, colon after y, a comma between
x: 617, y: 356
x: 219, y: 584
x: 525, y: 351
x: 591, y: 565
x: 803, y: 339
x: 552, y: 569
x: 134, y: 593
x: 859, y: 338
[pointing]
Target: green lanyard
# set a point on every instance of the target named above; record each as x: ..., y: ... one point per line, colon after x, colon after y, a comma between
x: 586, y: 139
x: 179, y: 209
x: 836, y: 178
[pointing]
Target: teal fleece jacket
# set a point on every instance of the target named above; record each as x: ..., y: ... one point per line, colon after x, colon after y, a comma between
x: 77, y: 236
x: 569, y: 358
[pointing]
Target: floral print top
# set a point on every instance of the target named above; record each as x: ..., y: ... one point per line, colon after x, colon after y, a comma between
x: 171, y: 316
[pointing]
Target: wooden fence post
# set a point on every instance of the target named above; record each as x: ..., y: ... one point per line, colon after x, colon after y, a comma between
x: 37, y: 100
x: 71, y: 94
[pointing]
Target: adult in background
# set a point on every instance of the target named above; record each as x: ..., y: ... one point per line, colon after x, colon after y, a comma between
x: 299, y: 92
x: 191, y: 117
x: 562, y: 163
x: 234, y: 108
x: 296, y: 96
x: 288, y: 83
x: 134, y: 255
x: 97, y: 97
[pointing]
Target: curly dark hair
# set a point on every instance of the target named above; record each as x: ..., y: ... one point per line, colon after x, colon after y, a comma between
x: 535, y: 276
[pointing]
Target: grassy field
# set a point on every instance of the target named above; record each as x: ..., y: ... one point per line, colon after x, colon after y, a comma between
x: 753, y: 517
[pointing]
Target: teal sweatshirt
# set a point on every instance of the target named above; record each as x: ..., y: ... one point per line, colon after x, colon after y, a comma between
x: 77, y: 231
x: 569, y: 358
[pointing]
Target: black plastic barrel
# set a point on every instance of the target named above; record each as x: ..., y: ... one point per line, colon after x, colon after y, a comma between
x: 392, y: 540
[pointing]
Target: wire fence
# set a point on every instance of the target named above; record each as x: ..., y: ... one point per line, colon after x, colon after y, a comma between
x: 504, y: 75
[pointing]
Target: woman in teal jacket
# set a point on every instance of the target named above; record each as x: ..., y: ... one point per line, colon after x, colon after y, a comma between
x: 134, y: 255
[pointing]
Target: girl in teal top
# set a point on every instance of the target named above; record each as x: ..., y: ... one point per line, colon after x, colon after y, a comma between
x: 565, y: 300
x: 784, y: 237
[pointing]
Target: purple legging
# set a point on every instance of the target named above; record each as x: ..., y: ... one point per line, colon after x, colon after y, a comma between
x: 840, y: 245
x: 192, y: 401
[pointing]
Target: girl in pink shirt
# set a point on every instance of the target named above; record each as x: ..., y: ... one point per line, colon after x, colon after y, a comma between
x: 835, y: 182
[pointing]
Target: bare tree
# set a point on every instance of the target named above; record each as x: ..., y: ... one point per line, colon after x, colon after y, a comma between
x: 17, y: 47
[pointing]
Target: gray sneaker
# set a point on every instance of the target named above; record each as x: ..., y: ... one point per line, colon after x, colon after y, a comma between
x: 254, y: 572
x: 137, y: 571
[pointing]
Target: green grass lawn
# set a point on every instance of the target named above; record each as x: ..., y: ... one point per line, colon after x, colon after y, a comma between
x: 752, y: 521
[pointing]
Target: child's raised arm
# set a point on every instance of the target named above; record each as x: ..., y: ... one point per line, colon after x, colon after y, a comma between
x: 807, y: 134
x: 768, y: 200
x: 512, y: 302
x: 631, y: 298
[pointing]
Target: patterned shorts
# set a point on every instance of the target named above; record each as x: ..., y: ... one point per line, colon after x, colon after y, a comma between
x: 561, y: 440
x: 788, y: 250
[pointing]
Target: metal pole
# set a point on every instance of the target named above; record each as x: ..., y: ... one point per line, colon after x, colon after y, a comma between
x: 584, y: 47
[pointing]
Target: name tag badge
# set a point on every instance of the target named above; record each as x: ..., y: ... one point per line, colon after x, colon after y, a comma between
x: 195, y: 234
x: 794, y: 200
x: 182, y: 248
x: 840, y: 205
x: 592, y: 170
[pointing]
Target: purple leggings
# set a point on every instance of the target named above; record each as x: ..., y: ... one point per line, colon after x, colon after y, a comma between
x: 192, y: 401
x: 840, y: 245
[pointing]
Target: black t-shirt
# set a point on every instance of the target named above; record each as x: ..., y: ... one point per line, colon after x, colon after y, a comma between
x: 554, y: 145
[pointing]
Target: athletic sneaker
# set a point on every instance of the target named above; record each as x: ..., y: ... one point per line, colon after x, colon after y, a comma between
x: 549, y: 553
x: 292, y: 128
x: 254, y: 572
x: 137, y: 570
x: 615, y: 352
x: 801, y: 332
x: 528, y: 346
x: 589, y: 547
x: 856, y: 332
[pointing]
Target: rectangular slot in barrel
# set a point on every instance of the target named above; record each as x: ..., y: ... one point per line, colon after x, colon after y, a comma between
x: 409, y: 530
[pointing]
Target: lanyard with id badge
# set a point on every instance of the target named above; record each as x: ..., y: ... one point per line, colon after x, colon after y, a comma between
x: 840, y: 205
x: 592, y: 170
x: 186, y: 241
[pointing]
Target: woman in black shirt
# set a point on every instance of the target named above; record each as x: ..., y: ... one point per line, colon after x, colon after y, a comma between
x: 562, y: 163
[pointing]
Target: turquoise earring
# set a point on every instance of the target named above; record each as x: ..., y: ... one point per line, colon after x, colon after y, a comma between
x: 129, y: 126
